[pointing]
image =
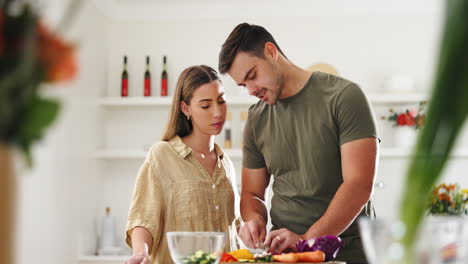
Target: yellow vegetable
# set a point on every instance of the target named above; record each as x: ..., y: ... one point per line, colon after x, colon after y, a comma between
x: 241, y: 254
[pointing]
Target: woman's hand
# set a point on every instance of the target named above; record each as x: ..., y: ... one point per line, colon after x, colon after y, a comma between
x: 139, y: 259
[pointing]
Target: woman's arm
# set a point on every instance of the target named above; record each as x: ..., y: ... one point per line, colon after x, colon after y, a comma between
x: 141, y: 241
x: 141, y: 245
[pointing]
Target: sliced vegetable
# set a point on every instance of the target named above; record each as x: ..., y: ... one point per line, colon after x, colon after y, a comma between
x: 200, y: 257
x: 226, y: 257
x: 242, y: 254
x: 305, y: 245
x: 286, y: 258
x: 311, y: 256
x: 263, y: 257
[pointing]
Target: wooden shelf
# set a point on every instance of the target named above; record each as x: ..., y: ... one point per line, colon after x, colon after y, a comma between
x: 249, y: 100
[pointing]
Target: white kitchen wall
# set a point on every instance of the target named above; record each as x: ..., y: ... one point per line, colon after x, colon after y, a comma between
x: 68, y: 190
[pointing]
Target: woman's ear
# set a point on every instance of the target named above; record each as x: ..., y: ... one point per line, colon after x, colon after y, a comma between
x: 185, y: 108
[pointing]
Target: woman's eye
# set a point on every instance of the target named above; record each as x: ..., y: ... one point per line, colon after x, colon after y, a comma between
x: 221, y: 102
x: 253, y: 76
x: 205, y: 106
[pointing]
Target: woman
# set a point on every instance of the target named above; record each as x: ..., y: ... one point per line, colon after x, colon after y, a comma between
x: 186, y: 183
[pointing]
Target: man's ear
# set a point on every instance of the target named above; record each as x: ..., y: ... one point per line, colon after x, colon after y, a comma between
x: 185, y: 108
x: 270, y: 51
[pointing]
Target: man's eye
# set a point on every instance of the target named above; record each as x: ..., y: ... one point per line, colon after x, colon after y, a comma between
x: 253, y: 76
x: 221, y: 102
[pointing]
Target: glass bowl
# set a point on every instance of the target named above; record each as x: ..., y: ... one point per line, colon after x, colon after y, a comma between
x: 196, y: 247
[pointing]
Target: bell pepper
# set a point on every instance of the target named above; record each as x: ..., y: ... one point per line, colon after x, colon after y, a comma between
x: 226, y: 257
x: 242, y: 254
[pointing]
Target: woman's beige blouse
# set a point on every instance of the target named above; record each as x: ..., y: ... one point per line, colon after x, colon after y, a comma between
x: 173, y: 192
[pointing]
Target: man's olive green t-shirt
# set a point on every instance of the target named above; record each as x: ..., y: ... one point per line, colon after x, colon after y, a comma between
x: 298, y: 140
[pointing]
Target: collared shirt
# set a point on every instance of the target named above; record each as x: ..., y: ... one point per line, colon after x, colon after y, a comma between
x: 174, y: 192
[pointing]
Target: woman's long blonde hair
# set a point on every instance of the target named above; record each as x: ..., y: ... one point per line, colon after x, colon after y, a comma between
x: 189, y: 81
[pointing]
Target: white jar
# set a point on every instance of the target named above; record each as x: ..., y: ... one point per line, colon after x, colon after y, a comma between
x: 405, y: 137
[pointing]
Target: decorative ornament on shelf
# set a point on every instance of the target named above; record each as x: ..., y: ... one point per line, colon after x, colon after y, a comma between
x: 413, y: 117
x: 448, y: 199
x: 406, y: 123
x: 446, y: 227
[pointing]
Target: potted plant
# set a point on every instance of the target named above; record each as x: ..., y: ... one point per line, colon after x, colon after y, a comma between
x: 30, y: 55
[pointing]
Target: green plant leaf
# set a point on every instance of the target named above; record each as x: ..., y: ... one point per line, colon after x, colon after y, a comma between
x: 39, y: 114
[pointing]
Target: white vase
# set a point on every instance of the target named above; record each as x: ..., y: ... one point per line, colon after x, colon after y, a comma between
x: 404, y: 137
x: 441, y: 240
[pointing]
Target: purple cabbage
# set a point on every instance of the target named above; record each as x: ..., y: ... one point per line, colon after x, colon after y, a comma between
x: 329, y: 244
x: 304, y: 245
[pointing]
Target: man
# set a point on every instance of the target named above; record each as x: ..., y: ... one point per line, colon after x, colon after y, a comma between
x: 315, y: 133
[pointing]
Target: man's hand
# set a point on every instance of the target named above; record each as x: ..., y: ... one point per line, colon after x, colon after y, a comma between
x: 253, y: 233
x: 282, y: 239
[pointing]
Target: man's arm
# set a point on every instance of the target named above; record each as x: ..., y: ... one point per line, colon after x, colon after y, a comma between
x: 359, y: 160
x: 359, y: 164
x: 253, y: 210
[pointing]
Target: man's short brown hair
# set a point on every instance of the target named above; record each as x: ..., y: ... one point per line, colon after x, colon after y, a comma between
x: 245, y: 37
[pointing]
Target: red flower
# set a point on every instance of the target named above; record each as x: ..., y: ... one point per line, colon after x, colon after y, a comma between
x: 57, y: 56
x: 401, y: 119
x: 409, y: 119
x: 444, y: 196
x: 405, y: 119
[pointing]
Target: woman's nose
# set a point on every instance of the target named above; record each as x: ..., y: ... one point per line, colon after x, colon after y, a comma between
x: 218, y: 110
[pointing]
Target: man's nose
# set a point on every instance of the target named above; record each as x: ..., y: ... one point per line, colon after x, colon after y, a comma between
x: 252, y: 89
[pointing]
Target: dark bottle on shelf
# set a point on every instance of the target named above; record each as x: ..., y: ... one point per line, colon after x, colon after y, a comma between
x: 124, y: 80
x: 164, y: 79
x: 147, y: 89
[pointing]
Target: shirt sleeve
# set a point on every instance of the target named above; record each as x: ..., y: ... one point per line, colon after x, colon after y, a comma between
x: 355, y: 119
x: 147, y: 205
x: 252, y: 158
